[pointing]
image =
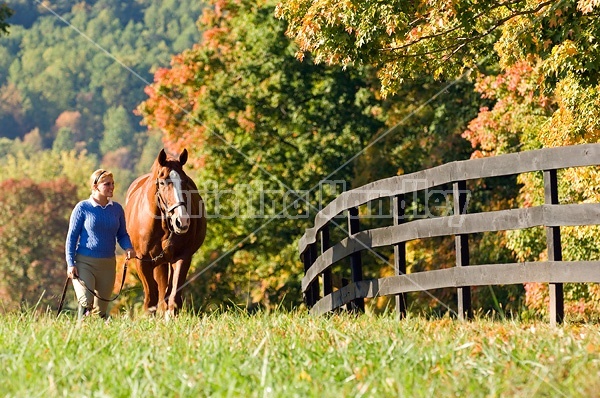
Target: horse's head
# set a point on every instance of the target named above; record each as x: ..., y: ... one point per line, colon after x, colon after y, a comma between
x: 171, y: 183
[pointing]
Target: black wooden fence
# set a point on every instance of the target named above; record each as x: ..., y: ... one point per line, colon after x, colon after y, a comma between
x: 319, y: 257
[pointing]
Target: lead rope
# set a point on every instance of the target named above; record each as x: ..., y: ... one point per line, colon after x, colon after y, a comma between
x: 62, y: 299
x: 154, y: 260
x: 120, y: 289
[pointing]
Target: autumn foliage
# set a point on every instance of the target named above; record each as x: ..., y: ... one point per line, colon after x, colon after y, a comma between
x: 537, y: 62
x: 262, y: 129
x: 32, y: 235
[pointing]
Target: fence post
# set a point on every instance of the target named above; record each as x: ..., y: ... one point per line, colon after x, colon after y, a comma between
x: 305, y: 257
x: 462, y: 250
x: 355, y: 258
x: 557, y: 310
x: 327, y: 277
x: 398, y: 209
x: 314, y: 286
x: 311, y: 294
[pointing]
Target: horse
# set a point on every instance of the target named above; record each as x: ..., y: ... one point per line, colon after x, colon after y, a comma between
x: 165, y: 219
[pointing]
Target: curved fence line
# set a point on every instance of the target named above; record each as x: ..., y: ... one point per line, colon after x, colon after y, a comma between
x: 514, y: 163
x: 502, y: 220
x: 319, y: 255
x: 474, y: 275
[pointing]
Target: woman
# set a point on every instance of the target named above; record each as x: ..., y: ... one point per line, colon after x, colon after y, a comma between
x: 96, y: 225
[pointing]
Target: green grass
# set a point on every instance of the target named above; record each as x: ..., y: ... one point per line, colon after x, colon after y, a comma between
x: 284, y: 354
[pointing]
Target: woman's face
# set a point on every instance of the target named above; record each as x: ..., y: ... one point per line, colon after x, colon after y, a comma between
x: 106, y: 187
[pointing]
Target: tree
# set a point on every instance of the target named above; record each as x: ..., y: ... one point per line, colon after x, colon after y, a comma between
x: 100, y: 60
x: 5, y: 13
x: 47, y: 165
x: 151, y: 148
x: 118, y: 131
x: 64, y: 141
x: 262, y: 127
x: 403, y: 39
x: 32, y: 236
x: 13, y: 108
x: 536, y: 61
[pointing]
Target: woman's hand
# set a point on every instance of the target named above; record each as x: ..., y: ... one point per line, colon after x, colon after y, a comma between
x: 72, y: 272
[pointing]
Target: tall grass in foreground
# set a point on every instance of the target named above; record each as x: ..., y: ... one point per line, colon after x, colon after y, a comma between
x: 285, y: 354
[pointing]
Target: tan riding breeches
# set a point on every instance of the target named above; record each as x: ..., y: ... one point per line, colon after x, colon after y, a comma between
x: 98, y: 274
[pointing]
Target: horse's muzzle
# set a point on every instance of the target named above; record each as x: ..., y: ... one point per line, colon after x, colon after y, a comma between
x: 180, y: 221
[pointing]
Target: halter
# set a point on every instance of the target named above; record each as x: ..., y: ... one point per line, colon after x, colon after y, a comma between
x: 165, y: 209
x: 165, y: 212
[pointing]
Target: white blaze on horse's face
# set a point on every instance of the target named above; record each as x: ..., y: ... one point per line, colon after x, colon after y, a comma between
x: 180, y: 219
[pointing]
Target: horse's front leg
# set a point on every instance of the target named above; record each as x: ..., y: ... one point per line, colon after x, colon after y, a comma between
x: 161, y: 276
x: 145, y: 272
x: 179, y: 270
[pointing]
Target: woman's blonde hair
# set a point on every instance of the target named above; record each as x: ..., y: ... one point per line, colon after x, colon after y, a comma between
x: 98, y: 176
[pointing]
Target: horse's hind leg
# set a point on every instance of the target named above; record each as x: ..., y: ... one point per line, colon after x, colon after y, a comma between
x: 161, y: 275
x: 150, y: 288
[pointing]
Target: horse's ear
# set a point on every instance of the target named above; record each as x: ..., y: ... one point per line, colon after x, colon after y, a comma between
x: 162, y: 157
x: 183, y: 157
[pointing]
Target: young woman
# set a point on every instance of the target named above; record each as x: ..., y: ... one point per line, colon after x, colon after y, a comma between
x: 96, y: 225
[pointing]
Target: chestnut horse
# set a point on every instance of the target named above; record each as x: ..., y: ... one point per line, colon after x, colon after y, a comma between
x: 167, y: 225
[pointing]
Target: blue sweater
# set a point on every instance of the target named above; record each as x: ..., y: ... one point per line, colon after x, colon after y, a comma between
x: 94, y: 230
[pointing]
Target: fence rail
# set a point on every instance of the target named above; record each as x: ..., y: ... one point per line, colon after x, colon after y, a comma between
x: 317, y: 281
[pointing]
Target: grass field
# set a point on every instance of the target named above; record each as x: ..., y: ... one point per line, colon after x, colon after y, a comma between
x: 283, y: 354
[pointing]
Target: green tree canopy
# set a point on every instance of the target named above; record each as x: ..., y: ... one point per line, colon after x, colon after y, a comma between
x: 88, y: 58
x: 64, y: 141
x: 5, y: 13
x: 262, y: 127
x: 537, y: 63
x: 23, y: 163
x: 118, y: 131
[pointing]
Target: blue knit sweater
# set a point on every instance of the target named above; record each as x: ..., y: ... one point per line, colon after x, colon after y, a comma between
x: 94, y: 230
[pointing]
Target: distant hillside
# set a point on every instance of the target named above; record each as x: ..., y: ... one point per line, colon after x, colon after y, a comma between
x: 73, y: 72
